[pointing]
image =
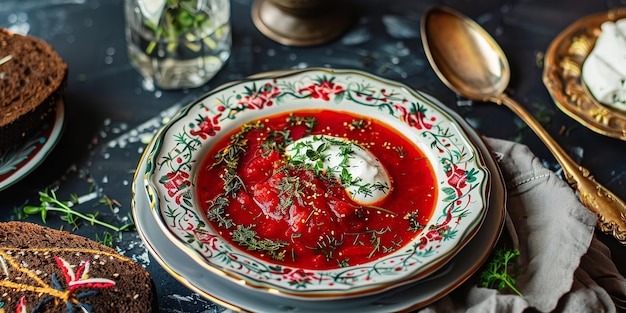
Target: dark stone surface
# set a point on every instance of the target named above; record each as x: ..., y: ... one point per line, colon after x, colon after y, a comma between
x: 111, y: 113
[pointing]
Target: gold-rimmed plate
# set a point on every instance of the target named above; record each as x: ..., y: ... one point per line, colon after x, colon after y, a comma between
x: 562, y: 75
x: 404, y: 299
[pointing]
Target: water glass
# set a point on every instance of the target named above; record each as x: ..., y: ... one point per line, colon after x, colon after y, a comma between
x: 178, y: 43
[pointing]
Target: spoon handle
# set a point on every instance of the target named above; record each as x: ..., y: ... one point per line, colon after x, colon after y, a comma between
x: 611, y: 210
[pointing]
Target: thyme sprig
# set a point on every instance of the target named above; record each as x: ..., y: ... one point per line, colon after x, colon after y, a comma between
x: 246, y: 237
x: 229, y: 158
x: 50, y: 203
x: 276, y: 141
x: 326, y: 245
x: 217, y: 212
x: 502, y: 271
x: 308, y: 121
x: 291, y: 189
x: 414, y: 224
x: 358, y: 124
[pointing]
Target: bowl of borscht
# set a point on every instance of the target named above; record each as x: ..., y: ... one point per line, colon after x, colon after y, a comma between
x: 317, y: 183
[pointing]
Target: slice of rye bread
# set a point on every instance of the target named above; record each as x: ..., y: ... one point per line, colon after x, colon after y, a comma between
x: 49, y: 270
x: 33, y: 78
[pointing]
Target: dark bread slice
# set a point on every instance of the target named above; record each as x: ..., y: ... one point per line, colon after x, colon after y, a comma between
x: 33, y: 78
x: 32, y: 262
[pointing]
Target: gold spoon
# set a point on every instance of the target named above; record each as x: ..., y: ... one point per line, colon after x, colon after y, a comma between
x: 470, y: 62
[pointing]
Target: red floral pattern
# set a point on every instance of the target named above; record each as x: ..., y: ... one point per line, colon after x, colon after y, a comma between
x: 176, y: 184
x: 457, y: 178
x: 207, y: 127
x: 299, y: 277
x: 259, y: 99
x: 415, y: 117
x: 322, y: 90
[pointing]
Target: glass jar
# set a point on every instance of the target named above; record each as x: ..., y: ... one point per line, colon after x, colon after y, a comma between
x: 178, y: 43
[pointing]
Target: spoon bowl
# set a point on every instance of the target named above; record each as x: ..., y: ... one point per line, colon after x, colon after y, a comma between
x: 467, y: 59
x: 471, y: 63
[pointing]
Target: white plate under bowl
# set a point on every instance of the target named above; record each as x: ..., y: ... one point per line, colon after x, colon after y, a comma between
x: 181, y: 146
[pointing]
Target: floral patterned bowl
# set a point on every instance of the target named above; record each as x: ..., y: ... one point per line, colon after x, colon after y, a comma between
x: 460, y: 174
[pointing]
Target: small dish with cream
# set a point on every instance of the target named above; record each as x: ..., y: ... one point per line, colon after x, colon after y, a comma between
x: 584, y: 72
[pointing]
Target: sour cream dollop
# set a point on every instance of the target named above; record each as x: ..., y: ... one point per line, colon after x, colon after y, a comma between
x: 361, y: 174
x: 604, y: 70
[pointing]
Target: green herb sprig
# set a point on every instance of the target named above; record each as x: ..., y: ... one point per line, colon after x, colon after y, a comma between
x: 107, y: 239
x: 497, y: 274
x: 308, y: 121
x: 50, y: 203
x: 229, y: 157
x: 246, y: 237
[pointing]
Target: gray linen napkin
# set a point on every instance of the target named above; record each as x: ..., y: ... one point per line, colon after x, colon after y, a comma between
x: 564, y: 268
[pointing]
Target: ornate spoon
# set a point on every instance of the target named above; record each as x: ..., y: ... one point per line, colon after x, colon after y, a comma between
x: 470, y: 62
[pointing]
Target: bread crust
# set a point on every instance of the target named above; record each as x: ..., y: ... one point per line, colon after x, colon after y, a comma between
x: 33, y: 78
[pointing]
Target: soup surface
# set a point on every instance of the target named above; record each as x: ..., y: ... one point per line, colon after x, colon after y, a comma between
x: 296, y: 189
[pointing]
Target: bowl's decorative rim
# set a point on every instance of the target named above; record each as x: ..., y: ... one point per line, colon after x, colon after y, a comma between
x: 181, y: 145
x: 562, y: 75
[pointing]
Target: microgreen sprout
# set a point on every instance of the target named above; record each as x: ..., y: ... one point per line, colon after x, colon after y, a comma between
x: 50, y: 203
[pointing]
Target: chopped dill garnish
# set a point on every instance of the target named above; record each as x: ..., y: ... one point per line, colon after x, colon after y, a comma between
x: 400, y: 151
x: 343, y: 263
x: 217, y: 212
x: 414, y: 224
x: 229, y: 157
x: 308, y: 121
x: 327, y: 245
x: 290, y: 188
x: 358, y: 124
